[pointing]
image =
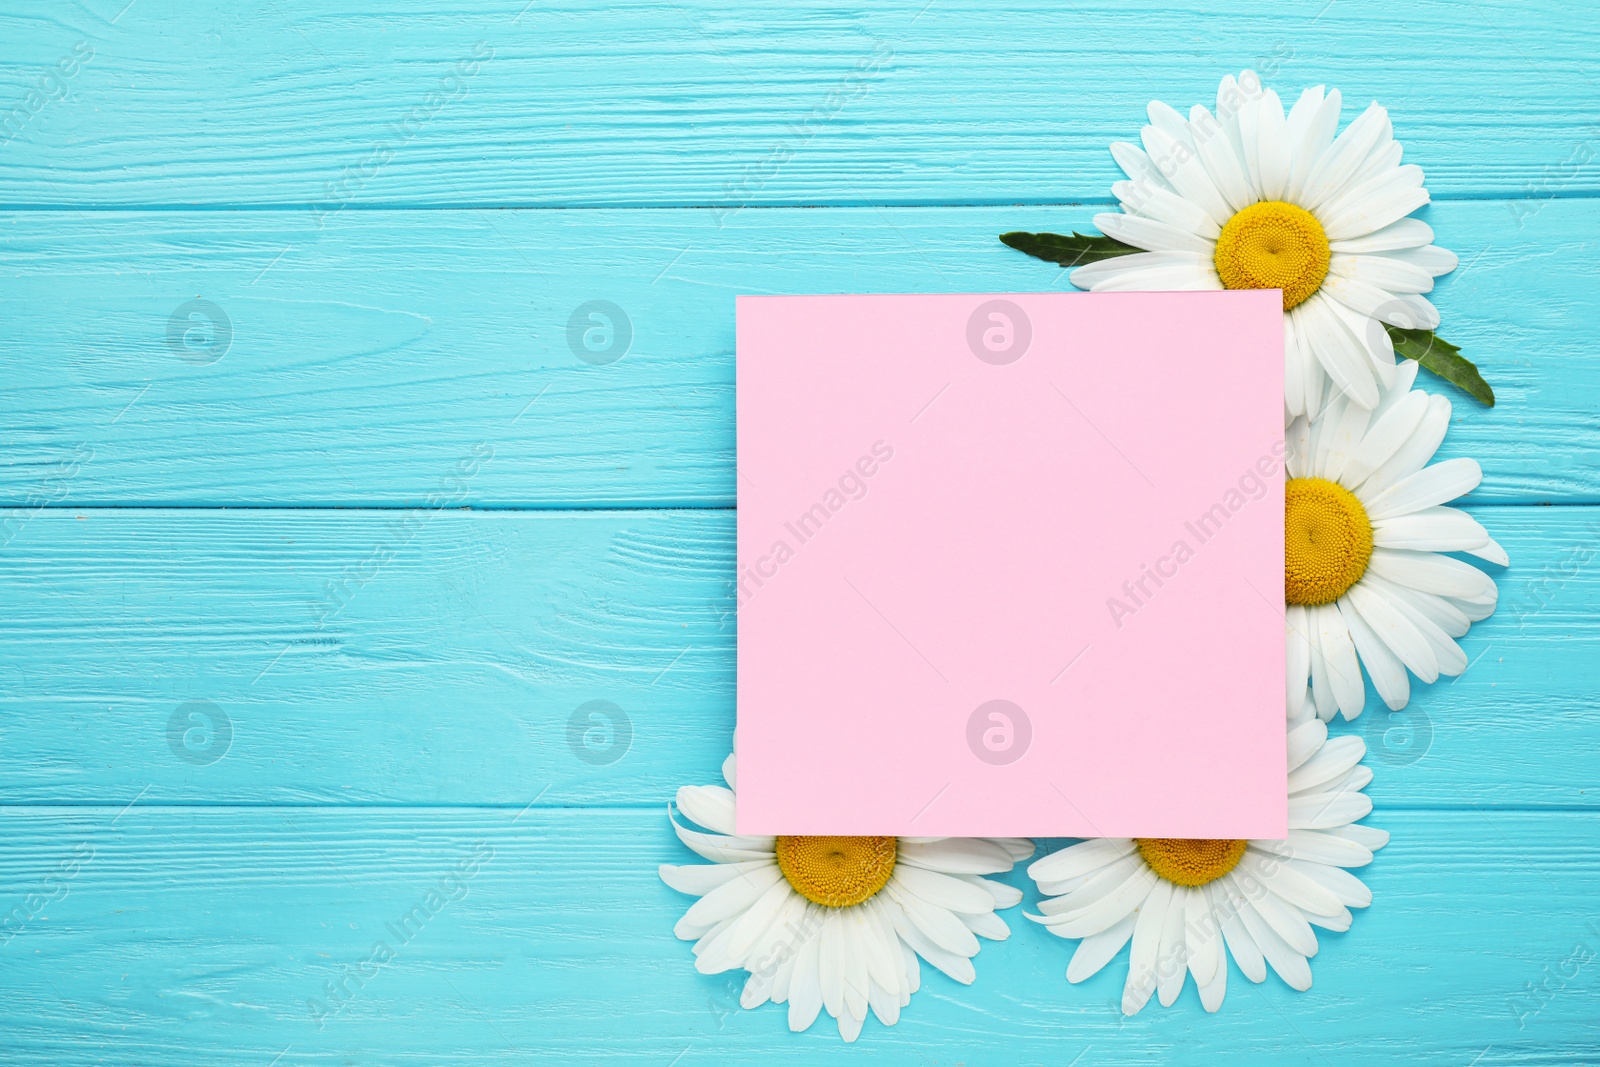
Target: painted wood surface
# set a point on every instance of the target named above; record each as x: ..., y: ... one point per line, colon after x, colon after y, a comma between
x: 188, y: 936
x: 428, y: 657
x: 360, y: 368
x: 286, y: 285
x: 332, y: 105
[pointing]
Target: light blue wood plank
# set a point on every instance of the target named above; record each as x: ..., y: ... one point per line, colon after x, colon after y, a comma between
x: 190, y: 937
x: 454, y: 649
x: 363, y: 363
x: 709, y: 102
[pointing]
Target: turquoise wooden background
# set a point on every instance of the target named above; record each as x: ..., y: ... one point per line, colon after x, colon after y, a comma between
x: 386, y: 532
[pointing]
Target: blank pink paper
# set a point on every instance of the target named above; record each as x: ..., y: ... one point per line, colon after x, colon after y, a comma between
x: 1011, y: 564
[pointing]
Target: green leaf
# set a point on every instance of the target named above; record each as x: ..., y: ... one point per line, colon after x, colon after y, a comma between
x: 1069, y: 251
x: 1443, y: 358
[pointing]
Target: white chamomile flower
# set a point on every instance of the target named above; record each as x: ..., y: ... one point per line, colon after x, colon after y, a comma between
x: 835, y: 922
x: 1249, y: 198
x: 1364, y: 528
x: 1180, y: 902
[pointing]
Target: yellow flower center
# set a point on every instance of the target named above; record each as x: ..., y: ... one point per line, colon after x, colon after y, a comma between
x: 1273, y: 245
x: 1190, y: 861
x: 837, y: 872
x: 1327, y: 541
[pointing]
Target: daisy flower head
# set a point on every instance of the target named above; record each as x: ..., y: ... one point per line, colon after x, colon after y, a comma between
x: 835, y: 922
x: 1187, y: 905
x: 1253, y: 198
x: 1366, y: 582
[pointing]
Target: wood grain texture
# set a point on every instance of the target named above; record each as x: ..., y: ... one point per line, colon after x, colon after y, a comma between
x: 240, y: 735
x: 325, y: 104
x: 200, y: 936
x: 439, y: 657
x: 366, y: 361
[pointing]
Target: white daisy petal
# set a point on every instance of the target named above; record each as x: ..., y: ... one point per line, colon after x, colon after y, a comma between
x: 1339, y: 652
x: 1142, y: 957
x: 1384, y: 272
x: 1153, y: 235
x: 1370, y: 836
x: 1391, y: 429
x: 1078, y: 895
x: 1139, y: 168
x: 1347, y: 889
x: 698, y: 879
x: 1184, y: 171
x: 1286, y: 963
x: 1318, y: 846
x: 1221, y: 162
x: 1435, y: 529
x: 1106, y: 911
x: 1272, y: 146
x: 1374, y: 204
x: 1172, y: 960
x: 1430, y: 572
x: 1334, y: 760
x: 1333, y: 173
x: 1304, y: 741
x: 1491, y: 552
x: 1319, y: 811
x: 1082, y: 858
x: 1430, y: 259
x: 805, y: 986
x: 1312, y: 121
x: 1096, y: 950
x: 1166, y: 118
x: 1426, y: 488
x: 1203, y: 937
x: 956, y: 855
x: 1414, y: 453
x: 1242, y: 947
x: 942, y: 890
x: 1163, y: 205
x: 722, y: 848
x: 1340, y: 353
x: 1290, y: 884
x: 1299, y: 673
x: 1394, y: 630
x: 1404, y: 234
x: 710, y: 806
x: 1388, y: 674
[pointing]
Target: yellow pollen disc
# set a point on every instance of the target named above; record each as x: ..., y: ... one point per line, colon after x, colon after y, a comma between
x: 837, y: 872
x: 1273, y: 245
x: 1327, y: 541
x: 1187, y: 861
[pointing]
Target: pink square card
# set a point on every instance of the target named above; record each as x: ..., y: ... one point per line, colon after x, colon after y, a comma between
x: 1011, y: 565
